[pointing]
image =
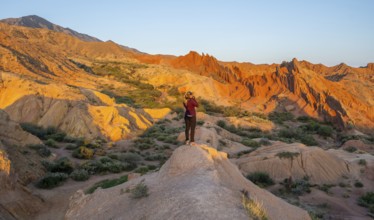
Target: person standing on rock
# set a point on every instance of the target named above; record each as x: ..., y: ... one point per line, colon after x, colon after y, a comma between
x: 190, y: 117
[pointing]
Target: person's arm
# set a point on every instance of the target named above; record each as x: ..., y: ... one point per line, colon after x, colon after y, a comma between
x: 194, y: 102
x: 184, y: 104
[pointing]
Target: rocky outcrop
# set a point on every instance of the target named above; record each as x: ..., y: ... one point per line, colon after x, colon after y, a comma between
x: 195, y: 183
x: 34, y: 21
x: 80, y: 113
x: 12, y: 133
x: 297, y: 161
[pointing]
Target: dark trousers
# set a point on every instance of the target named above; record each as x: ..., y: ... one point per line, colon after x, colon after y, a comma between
x: 190, y: 125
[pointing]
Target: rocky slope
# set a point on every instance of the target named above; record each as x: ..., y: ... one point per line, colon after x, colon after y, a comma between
x: 34, y: 21
x: 79, y: 112
x: 321, y: 167
x: 196, y: 182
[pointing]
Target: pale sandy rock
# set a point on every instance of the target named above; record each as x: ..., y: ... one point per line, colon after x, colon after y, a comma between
x: 319, y: 165
x: 290, y: 108
x: 12, y: 133
x: 195, y: 183
x: 158, y: 113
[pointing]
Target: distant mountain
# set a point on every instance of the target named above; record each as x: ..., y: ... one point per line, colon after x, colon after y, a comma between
x: 35, y: 21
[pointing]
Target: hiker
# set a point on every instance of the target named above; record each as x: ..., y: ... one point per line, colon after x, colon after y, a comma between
x: 190, y: 117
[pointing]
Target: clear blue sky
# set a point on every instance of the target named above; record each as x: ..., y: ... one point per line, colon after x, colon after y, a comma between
x: 262, y: 31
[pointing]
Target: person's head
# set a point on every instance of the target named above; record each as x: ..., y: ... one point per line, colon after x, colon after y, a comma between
x: 188, y: 95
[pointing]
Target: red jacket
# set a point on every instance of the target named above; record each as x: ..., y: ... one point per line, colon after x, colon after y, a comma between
x: 190, y: 107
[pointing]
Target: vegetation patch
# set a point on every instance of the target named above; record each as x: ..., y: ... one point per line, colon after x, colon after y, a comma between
x: 83, y: 153
x: 80, y: 175
x: 44, y: 133
x: 62, y: 165
x: 41, y: 149
x: 253, y: 207
x: 261, y: 179
x: 280, y: 117
x: 287, y: 155
x: 362, y: 162
x: 139, y: 191
x: 367, y: 200
x: 350, y: 149
x: 297, y: 187
x: 250, y: 143
x: 51, y: 180
x: 107, y: 183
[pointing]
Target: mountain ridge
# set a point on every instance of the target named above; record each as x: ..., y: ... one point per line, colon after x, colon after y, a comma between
x: 34, y: 21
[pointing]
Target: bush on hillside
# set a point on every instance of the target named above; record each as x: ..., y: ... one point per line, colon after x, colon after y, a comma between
x: 139, y: 191
x: 62, y: 165
x: 367, y: 200
x: 280, y: 117
x: 287, y: 155
x: 83, y: 153
x: 51, y: 143
x: 41, y: 149
x: 250, y: 143
x: 51, y: 180
x: 104, y: 184
x: 261, y: 179
x: 80, y: 175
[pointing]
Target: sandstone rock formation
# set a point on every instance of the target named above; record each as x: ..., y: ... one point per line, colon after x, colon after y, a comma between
x: 322, y: 167
x: 80, y: 113
x: 195, y: 183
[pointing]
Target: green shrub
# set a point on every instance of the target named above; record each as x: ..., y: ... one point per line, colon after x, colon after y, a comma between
x: 83, y: 153
x: 287, y: 155
x: 325, y: 131
x: 93, y: 167
x: 106, y: 164
x: 139, y: 191
x: 41, y: 149
x: 71, y: 147
x: 142, y: 170
x: 62, y: 165
x: 300, y: 187
x: 280, y: 117
x: 350, y: 149
x: 367, y: 200
x: 362, y: 162
x: 34, y: 129
x: 51, y: 180
x: 250, y: 143
x: 152, y: 167
x: 358, y: 184
x: 104, y: 184
x: 221, y: 123
x: 39, y: 131
x: 265, y: 142
x: 308, y: 140
x: 200, y: 123
x: 59, y: 136
x: 304, y: 119
x: 155, y: 157
x: 51, y: 143
x: 80, y: 175
x: 261, y: 179
x: 129, y: 166
x: 287, y: 133
x: 44, y: 152
x: 325, y: 187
